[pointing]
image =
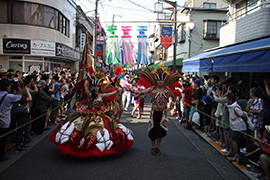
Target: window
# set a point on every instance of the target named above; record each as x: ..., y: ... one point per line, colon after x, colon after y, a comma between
x: 60, y: 23
x: 252, y: 6
x: 67, y: 27
x: 34, y: 14
x: 209, y: 5
x: 49, y: 19
x: 182, y: 33
x: 211, y: 29
x: 4, y: 12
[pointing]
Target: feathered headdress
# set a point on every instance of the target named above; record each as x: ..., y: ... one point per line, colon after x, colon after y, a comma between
x: 97, y: 78
x: 160, y: 73
x: 149, y: 78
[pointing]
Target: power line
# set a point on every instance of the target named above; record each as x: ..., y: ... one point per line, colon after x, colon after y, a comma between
x: 139, y: 5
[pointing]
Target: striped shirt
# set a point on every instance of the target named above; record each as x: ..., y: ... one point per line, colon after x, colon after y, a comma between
x: 257, y: 119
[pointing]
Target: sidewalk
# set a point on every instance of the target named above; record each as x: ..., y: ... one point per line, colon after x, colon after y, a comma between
x: 14, y: 156
x: 244, y: 168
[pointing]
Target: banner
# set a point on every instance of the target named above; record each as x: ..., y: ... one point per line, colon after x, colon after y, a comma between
x: 166, y: 37
x: 99, y: 49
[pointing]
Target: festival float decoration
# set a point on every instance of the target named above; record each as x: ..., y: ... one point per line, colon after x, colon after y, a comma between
x: 113, y: 50
x: 142, y: 56
x: 128, y: 54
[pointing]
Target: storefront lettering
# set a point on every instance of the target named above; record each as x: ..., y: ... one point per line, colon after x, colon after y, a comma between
x: 67, y: 52
x: 16, y: 45
x: 42, y: 46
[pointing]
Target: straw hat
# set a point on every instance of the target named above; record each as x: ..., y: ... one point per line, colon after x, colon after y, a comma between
x: 3, y: 71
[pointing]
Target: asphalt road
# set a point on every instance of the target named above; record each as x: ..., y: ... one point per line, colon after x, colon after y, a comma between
x: 184, y: 156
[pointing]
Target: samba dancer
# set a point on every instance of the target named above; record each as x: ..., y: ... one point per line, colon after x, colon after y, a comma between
x: 160, y: 94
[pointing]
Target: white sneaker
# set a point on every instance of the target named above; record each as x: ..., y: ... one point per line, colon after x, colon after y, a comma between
x: 224, y: 150
x: 125, y: 109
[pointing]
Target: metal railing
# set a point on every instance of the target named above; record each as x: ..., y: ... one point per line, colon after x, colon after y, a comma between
x: 245, y: 11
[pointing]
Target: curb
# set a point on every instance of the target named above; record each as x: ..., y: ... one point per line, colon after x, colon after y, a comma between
x: 245, y: 170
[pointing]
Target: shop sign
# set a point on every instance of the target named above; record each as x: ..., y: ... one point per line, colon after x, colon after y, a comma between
x: 66, y: 52
x: 16, y: 46
x: 42, y: 48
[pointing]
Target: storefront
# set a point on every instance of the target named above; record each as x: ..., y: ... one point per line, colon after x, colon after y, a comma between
x: 28, y: 55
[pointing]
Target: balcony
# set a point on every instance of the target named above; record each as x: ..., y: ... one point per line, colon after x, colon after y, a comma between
x: 249, y: 22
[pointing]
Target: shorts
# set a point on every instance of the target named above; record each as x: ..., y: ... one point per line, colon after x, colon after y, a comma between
x: 186, y: 112
x: 206, y: 120
x: 236, y: 136
x: 192, y: 111
x: 55, y: 106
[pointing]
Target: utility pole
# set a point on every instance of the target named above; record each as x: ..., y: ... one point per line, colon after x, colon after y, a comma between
x: 95, y: 36
x: 175, y: 37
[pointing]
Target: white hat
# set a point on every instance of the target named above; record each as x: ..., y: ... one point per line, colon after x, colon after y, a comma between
x: 41, y: 83
x: 267, y: 127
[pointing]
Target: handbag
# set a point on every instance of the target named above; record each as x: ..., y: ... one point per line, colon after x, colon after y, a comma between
x: 19, y: 109
x: 196, y: 118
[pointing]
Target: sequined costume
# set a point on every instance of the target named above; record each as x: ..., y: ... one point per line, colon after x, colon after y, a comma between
x: 92, y: 131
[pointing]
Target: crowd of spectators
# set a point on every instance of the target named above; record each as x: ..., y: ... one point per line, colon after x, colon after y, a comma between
x: 235, y: 113
x: 30, y: 103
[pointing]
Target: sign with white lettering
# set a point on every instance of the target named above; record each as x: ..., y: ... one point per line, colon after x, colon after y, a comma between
x: 42, y: 48
x: 82, y: 41
x: 16, y: 46
x: 66, y: 52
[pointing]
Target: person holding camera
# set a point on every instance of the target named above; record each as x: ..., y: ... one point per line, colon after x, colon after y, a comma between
x: 6, y: 103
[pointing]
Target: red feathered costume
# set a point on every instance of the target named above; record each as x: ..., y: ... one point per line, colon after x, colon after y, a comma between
x: 92, y: 132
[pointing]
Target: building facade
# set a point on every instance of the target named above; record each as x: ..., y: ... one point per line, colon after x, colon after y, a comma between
x: 202, y: 32
x: 43, y: 35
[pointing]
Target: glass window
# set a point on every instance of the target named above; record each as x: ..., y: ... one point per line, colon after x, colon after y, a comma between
x: 182, y: 33
x: 64, y: 25
x: 57, y: 20
x: 209, y: 5
x: 252, y: 6
x: 28, y: 13
x: 211, y: 29
x: 4, y: 12
x: 33, y: 14
x: 60, y: 22
x: 36, y: 14
x: 67, y: 27
x: 18, y: 12
x: 12, y: 65
x: 28, y: 65
x: 49, y: 15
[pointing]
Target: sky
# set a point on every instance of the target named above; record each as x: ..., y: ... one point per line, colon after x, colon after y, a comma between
x: 124, y: 10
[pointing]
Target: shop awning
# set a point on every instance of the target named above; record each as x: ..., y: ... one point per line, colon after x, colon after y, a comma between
x: 203, y: 65
x: 250, y: 56
x: 154, y: 65
x: 179, y: 62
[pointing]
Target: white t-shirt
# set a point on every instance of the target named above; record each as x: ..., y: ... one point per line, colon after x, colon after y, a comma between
x: 235, y: 113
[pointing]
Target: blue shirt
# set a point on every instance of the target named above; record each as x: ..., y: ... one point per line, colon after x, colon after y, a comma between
x: 56, y: 92
x: 207, y: 99
x: 6, y: 107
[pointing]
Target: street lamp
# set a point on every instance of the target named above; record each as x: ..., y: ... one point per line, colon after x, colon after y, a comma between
x: 159, y: 9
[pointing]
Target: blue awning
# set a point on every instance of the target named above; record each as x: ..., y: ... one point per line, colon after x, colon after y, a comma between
x: 197, y: 66
x: 250, y: 56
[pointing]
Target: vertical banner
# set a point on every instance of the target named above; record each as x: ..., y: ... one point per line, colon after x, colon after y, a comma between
x: 99, y: 49
x: 166, y: 37
x: 82, y: 41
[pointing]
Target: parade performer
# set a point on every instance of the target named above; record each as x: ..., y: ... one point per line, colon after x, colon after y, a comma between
x: 92, y: 131
x: 161, y: 85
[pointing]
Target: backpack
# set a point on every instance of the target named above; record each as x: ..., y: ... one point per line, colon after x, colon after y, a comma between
x: 249, y: 122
